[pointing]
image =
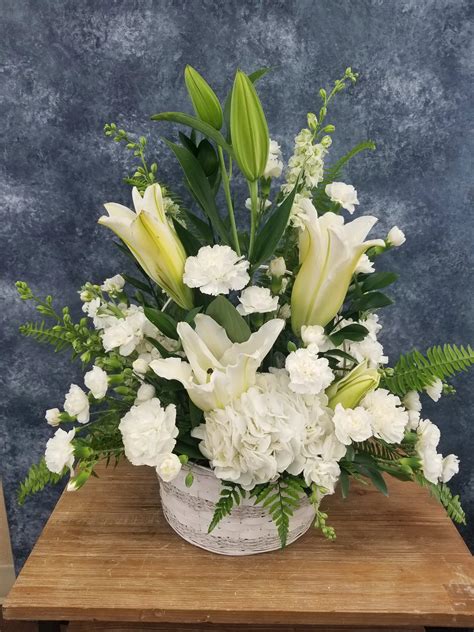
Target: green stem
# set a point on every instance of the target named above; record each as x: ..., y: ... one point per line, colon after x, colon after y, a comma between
x: 253, y: 188
x: 228, y: 197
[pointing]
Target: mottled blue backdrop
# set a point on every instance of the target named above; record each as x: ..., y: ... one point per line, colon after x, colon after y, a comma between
x: 68, y: 66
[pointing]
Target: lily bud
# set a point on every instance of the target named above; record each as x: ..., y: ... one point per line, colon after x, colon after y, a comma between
x: 204, y: 99
x: 248, y: 127
x: 353, y: 387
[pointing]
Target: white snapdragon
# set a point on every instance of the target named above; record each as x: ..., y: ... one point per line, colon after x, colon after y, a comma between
x: 343, y: 194
x: 389, y: 418
x: 257, y: 299
x: 308, y: 373
x: 216, y: 270
x: 396, y: 237
x: 76, y: 404
x: 149, y: 432
x: 60, y: 451
x: 168, y: 467
x: 435, y: 390
x: 97, y: 382
x: 113, y: 285
x: 315, y: 339
x: 274, y: 165
x: 450, y: 467
x: 352, y: 424
x: 365, y: 265
x: 52, y: 416
x: 144, y: 393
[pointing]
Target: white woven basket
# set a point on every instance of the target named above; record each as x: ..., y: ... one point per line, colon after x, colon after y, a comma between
x: 248, y: 530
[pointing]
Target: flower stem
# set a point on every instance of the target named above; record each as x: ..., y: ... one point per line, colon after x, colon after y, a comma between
x: 253, y: 188
x: 228, y: 197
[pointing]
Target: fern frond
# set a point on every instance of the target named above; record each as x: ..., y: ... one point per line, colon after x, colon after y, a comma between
x: 231, y: 495
x: 41, y: 333
x: 379, y: 449
x: 443, y: 494
x: 37, y: 478
x: 415, y: 371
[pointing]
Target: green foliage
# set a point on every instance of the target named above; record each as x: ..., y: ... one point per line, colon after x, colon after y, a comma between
x: 355, y: 332
x: 224, y: 313
x: 164, y: 322
x: 37, y: 478
x: 231, y: 495
x: 415, y: 371
x: 195, y: 124
x: 443, y: 494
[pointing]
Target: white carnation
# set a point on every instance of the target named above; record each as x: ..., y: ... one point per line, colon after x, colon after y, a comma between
x: 315, y: 339
x: 60, y: 451
x: 389, y: 418
x: 324, y: 473
x: 352, y: 424
x: 97, y: 382
x: 113, y: 285
x: 411, y: 401
x: 144, y: 393
x: 343, y: 194
x: 149, y: 431
x: 428, y: 435
x: 216, y: 270
x: 364, y: 266
x: 450, y: 467
x: 274, y: 165
x: 432, y: 464
x: 435, y: 389
x: 308, y: 373
x: 257, y: 299
x: 76, y: 404
x: 168, y: 468
x: 52, y: 416
x: 396, y: 237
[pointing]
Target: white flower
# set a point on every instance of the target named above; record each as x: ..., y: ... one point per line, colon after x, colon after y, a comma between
x: 300, y: 211
x: 389, y: 419
x: 411, y: 401
x: 277, y: 267
x: 396, y: 237
x: 144, y: 393
x: 428, y: 440
x: 428, y: 435
x: 91, y: 307
x: 308, y: 373
x: 369, y: 348
x: 307, y: 162
x: 168, y: 468
x: 432, y: 464
x: 314, y: 338
x: 435, y: 389
x: 266, y: 204
x: 60, y: 451
x: 274, y: 165
x: 128, y: 332
x: 76, y: 404
x: 352, y: 424
x: 324, y: 473
x: 413, y: 419
x: 216, y: 270
x: 97, y: 382
x: 450, y: 467
x: 52, y: 416
x: 140, y: 366
x: 149, y: 432
x: 285, y: 311
x: 343, y: 194
x: 365, y: 265
x: 113, y: 285
x: 255, y: 299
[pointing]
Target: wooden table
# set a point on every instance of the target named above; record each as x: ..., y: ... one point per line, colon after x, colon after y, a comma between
x: 108, y: 555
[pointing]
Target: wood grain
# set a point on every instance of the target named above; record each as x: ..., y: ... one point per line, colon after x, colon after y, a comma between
x: 107, y: 554
x: 87, y: 626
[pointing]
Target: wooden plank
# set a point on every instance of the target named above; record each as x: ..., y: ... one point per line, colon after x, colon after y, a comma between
x: 87, y: 626
x: 107, y: 554
x: 7, y: 570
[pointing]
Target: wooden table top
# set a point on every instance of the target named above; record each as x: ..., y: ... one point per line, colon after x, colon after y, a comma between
x: 107, y: 554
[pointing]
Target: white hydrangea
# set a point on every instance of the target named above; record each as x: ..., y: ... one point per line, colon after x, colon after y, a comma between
x: 97, y: 382
x: 389, y: 418
x: 364, y: 266
x: 307, y: 162
x: 396, y: 237
x: 60, y: 451
x: 435, y: 390
x: 257, y: 300
x: 168, y: 467
x: 308, y: 373
x: 76, y: 404
x: 52, y: 416
x: 274, y: 165
x: 216, y: 270
x: 352, y: 424
x: 113, y: 285
x: 315, y: 339
x: 343, y: 194
x: 149, y: 432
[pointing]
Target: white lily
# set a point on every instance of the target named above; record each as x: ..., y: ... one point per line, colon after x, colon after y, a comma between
x: 153, y: 241
x: 329, y: 252
x: 218, y: 370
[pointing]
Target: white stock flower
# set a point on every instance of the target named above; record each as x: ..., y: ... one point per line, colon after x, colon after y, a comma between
x: 168, y: 468
x: 308, y: 373
x: 149, y: 431
x: 343, y: 194
x: 389, y: 418
x: 128, y: 332
x: 396, y: 237
x: 216, y: 270
x: 435, y: 390
x: 52, y: 416
x: 352, y: 424
x: 450, y: 467
x: 113, y: 285
x: 92, y: 307
x: 314, y: 338
x: 144, y: 393
x: 97, y: 382
x: 60, y: 451
x: 274, y: 165
x: 306, y: 163
x: 255, y: 299
x: 364, y: 266
x: 76, y: 404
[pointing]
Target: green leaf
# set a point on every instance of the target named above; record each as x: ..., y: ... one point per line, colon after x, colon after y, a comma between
x: 163, y: 352
x: 340, y: 354
x: 224, y: 313
x: 195, y: 414
x: 201, y: 227
x: 197, y: 124
x: 273, y: 229
x: 378, y: 280
x: 137, y: 283
x: 200, y: 188
x: 354, y: 332
x: 189, y: 241
x: 377, y: 480
x: 188, y: 143
x: 345, y: 483
x: 192, y: 314
x: 207, y: 157
x: 164, y: 322
x: 370, y: 301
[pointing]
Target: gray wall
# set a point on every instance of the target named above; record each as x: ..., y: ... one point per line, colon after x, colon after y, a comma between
x: 67, y: 67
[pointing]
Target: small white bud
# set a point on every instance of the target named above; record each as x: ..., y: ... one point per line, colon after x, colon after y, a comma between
x: 396, y: 237
x: 277, y: 267
x: 52, y: 416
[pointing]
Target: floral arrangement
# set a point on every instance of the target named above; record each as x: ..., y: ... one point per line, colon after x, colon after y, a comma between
x: 253, y: 352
